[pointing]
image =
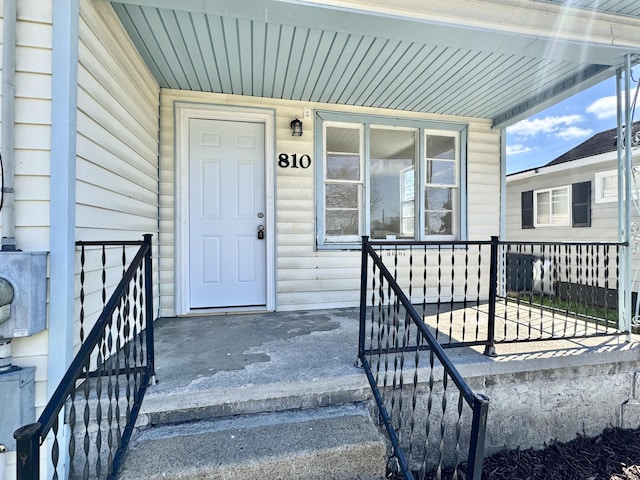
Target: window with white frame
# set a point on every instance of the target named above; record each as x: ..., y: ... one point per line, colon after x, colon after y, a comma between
x: 606, y: 188
x: 343, y: 181
x: 552, y: 206
x: 387, y: 178
x: 557, y: 206
x: 440, y: 184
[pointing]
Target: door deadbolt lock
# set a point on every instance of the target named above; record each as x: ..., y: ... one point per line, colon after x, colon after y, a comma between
x: 260, y: 232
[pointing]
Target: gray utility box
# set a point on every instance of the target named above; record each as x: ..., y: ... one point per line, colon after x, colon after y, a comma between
x: 27, y: 274
x: 17, y: 403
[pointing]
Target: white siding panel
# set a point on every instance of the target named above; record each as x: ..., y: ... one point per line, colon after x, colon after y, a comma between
x: 30, y: 162
x: 35, y: 11
x: 117, y: 147
x: 32, y: 140
x: 33, y: 110
x: 35, y: 34
x: 30, y: 59
x: 33, y: 137
x: 33, y: 85
x: 306, y: 277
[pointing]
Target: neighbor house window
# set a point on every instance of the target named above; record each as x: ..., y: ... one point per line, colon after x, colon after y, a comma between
x: 387, y: 178
x: 568, y: 205
x: 606, y: 186
x: 551, y: 206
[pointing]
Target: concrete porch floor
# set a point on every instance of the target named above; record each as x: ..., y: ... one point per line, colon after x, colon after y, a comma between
x: 238, y: 363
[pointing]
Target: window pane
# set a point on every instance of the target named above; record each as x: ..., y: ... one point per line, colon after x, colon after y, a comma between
x: 441, y: 147
x: 553, y: 206
x: 343, y: 139
x: 439, y: 223
x: 438, y: 198
x: 341, y: 195
x: 560, y: 207
x: 543, y: 204
x: 392, y: 167
x: 342, y: 222
x: 343, y: 153
x: 343, y: 167
x: 439, y: 211
x: 442, y: 172
x: 610, y: 186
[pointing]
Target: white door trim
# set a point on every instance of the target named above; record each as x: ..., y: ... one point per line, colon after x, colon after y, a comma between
x: 184, y: 111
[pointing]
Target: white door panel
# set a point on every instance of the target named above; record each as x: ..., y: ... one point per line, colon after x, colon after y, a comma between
x: 227, y: 260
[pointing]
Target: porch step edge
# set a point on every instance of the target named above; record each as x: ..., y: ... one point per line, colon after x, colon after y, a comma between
x: 319, y: 444
x: 187, y: 406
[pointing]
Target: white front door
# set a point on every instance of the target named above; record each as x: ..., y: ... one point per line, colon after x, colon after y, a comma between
x: 227, y: 251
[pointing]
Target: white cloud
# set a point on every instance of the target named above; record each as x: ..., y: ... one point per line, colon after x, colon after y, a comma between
x: 548, y: 125
x: 573, y: 133
x: 517, y: 148
x: 603, y: 108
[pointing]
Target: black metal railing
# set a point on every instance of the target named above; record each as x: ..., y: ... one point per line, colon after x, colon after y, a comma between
x: 491, y: 292
x: 435, y: 422
x: 420, y: 297
x: 550, y: 290
x: 101, y: 393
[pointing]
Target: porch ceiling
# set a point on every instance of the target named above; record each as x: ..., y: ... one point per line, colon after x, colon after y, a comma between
x: 496, y: 59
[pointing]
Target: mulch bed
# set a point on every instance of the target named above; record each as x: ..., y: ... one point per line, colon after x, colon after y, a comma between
x: 614, y: 455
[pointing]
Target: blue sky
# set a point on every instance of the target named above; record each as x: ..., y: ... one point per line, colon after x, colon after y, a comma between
x: 541, y: 138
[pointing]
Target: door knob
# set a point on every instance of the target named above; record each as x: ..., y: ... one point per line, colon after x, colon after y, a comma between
x: 260, y: 232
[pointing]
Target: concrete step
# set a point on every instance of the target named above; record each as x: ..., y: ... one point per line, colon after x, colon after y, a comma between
x: 340, y: 443
x: 190, y: 404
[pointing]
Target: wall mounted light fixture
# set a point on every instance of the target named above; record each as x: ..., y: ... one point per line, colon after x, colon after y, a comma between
x: 296, y: 127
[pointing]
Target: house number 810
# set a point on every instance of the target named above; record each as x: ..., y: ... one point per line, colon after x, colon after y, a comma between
x: 292, y: 161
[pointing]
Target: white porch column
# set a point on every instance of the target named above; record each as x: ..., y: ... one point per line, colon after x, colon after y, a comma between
x: 63, y: 187
x: 63, y: 197
x: 625, y: 128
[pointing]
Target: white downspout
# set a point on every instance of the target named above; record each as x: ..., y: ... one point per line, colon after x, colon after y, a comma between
x: 502, y: 234
x: 3, y: 461
x: 7, y: 143
x: 8, y: 122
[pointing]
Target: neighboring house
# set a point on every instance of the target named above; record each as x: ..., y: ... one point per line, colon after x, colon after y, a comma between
x: 573, y: 197
x: 125, y: 109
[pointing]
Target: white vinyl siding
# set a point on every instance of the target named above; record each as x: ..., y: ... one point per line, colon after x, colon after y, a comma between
x: 32, y: 167
x: 33, y: 124
x: 117, y: 149
x: 307, y: 278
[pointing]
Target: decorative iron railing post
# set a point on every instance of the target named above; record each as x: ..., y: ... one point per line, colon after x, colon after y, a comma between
x: 99, y: 356
x: 28, y: 451
x: 478, y: 433
x: 490, y: 348
x: 363, y: 296
x: 148, y: 285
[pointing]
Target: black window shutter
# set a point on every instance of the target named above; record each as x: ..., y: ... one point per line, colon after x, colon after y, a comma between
x: 526, y: 205
x: 581, y: 204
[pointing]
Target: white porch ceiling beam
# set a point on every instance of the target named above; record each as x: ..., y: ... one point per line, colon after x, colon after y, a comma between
x: 542, y: 100
x: 479, y: 26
